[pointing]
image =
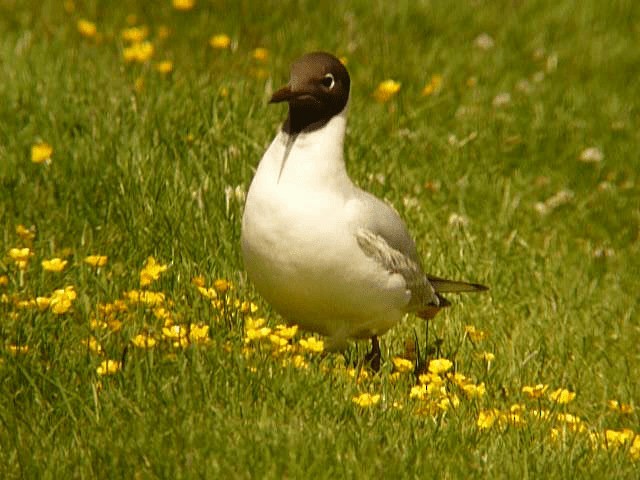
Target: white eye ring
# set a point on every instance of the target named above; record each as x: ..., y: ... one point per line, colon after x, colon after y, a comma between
x: 328, y: 81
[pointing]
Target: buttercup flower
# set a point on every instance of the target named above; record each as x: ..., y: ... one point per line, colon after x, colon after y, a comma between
x: 440, y: 365
x: 475, y: 334
x: 54, y: 265
x: 109, y: 367
x: 61, y: 300
x: 86, y: 28
x: 220, y: 41
x: 486, y: 418
x: 164, y: 67
x: 134, y: 34
x: 41, y: 152
x: 17, y: 349
x: 535, y: 392
x: 96, y: 260
x: 143, y: 340
x: 26, y: 234
x: 366, y: 399
x: 183, y: 5
x: 151, y: 271
x: 562, y: 396
x: 386, y: 90
x: 261, y: 54
x: 312, y: 344
x: 138, y: 52
x: 402, y: 365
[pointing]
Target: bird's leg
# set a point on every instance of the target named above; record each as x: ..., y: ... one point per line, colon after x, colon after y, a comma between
x: 373, y: 357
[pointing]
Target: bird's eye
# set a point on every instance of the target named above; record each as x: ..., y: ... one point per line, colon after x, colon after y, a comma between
x: 328, y: 81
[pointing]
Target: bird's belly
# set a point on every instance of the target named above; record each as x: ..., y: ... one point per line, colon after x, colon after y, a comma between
x: 304, y: 259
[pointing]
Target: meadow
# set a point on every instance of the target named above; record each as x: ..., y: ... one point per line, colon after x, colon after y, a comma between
x: 132, y: 345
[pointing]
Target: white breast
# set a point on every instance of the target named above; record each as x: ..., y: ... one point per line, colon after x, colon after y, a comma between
x: 299, y: 245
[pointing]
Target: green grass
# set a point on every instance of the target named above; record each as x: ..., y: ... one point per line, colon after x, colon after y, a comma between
x: 143, y: 172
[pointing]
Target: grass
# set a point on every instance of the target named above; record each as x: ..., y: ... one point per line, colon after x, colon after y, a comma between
x: 146, y: 164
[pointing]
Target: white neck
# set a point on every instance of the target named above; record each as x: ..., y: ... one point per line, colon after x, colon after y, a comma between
x: 308, y: 159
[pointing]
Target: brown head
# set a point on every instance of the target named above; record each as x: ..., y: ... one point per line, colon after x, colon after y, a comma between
x: 318, y: 89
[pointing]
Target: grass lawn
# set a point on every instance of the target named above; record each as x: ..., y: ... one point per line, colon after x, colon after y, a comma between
x: 511, y: 149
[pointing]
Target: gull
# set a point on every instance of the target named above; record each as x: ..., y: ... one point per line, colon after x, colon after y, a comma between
x: 325, y: 254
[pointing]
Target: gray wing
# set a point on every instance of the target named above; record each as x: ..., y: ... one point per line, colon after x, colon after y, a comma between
x: 383, y: 236
x: 394, y: 261
x: 381, y: 219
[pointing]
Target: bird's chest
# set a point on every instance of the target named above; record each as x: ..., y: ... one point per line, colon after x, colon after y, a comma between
x: 290, y: 227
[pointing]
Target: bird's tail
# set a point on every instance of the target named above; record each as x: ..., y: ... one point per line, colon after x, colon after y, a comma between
x: 441, y: 285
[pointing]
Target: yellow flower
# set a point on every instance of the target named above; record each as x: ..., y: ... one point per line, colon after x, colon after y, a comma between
x: 208, y: 293
x: 41, y: 152
x: 402, y: 365
x: 278, y: 341
x: 134, y: 34
x: 634, y: 451
x: 487, y: 357
x: 620, y: 407
x: 17, y: 349
x: 473, y: 391
x: 261, y: 54
x: 143, y: 340
x: 440, y: 365
x: 20, y: 254
x: 86, y: 28
x: 4, y: 280
x: 251, y: 324
x: 221, y: 285
x: 93, y: 345
x: 366, y: 399
x: 151, y: 271
x: 386, y: 90
x: 96, y: 260
x: 617, y: 438
x: 54, y: 265
x: 446, y: 402
x: 433, y: 86
x: 418, y: 391
x: 61, y: 300
x: 164, y: 67
x: 26, y: 234
x: 146, y: 297
x: 475, y: 334
x: 220, y: 41
x: 535, y: 392
x: 138, y: 52
x: 562, y: 396
x: 199, y: 333
x: 286, y: 332
x: 486, y: 418
x: 430, y: 378
x: 300, y: 362
x: 109, y: 367
x: 247, y: 307
x: 312, y: 344
x: 183, y: 5
x: 256, y: 334
x: 174, y: 332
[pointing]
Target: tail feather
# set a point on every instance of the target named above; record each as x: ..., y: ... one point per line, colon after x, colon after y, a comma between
x: 442, y: 285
